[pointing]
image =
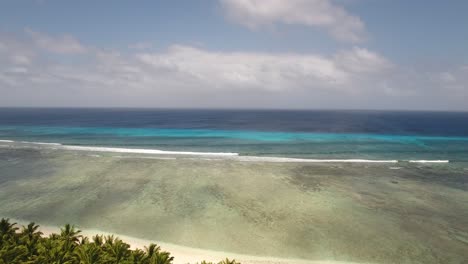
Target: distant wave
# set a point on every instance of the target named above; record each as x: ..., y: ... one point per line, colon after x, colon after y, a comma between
x: 123, y: 150
x: 146, y: 151
x: 281, y: 159
x: 40, y: 143
x: 233, y: 155
x: 428, y: 161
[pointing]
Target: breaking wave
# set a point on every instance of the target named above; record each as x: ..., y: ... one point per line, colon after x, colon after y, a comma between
x: 231, y: 155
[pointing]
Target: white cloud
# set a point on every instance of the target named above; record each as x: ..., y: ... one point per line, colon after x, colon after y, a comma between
x: 20, y: 59
x: 447, y: 77
x: 360, y: 60
x: 141, y: 45
x: 65, y: 44
x: 454, y: 80
x: 16, y: 70
x: 323, y: 14
x: 265, y: 71
x: 186, y: 76
x: 16, y: 51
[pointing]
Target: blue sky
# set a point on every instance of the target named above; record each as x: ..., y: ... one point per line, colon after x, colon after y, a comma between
x: 355, y: 54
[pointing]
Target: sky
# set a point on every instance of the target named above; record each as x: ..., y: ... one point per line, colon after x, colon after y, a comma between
x: 273, y: 54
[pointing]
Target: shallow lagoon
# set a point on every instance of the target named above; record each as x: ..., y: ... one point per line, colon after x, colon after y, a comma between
x: 379, y: 213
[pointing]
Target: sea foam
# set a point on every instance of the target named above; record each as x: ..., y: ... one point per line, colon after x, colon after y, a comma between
x: 123, y: 150
x: 40, y: 143
x: 229, y: 155
x: 282, y: 159
x: 146, y: 151
x: 428, y: 161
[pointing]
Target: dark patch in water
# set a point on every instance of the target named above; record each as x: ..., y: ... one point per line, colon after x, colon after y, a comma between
x: 305, y: 179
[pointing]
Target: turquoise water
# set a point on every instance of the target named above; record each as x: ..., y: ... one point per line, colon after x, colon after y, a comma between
x: 300, y: 134
x: 259, y: 143
x: 211, y: 133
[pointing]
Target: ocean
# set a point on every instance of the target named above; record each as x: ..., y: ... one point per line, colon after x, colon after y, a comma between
x: 324, y: 135
x: 353, y: 186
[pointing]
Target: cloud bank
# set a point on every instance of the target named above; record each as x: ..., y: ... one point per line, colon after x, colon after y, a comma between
x: 37, y: 69
x: 321, y: 14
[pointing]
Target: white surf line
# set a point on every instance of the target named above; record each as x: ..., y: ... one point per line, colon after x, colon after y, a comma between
x: 216, y: 154
x: 40, y: 143
x: 124, y: 150
x: 145, y: 151
x: 428, y: 161
x: 30, y: 142
x: 279, y: 159
x: 144, y: 157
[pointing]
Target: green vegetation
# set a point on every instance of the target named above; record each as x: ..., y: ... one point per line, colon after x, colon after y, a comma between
x: 27, y: 245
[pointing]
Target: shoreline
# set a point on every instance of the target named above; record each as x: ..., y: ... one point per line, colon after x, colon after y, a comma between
x: 184, y: 254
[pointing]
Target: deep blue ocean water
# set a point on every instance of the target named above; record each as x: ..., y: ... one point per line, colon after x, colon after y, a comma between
x: 279, y: 133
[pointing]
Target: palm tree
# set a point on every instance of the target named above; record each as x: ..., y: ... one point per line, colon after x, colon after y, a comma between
x: 54, y: 251
x: 118, y: 251
x: 162, y: 258
x: 155, y: 256
x: 152, y: 250
x: 138, y: 256
x: 70, y: 238
x: 89, y: 254
x: 30, y: 237
x: 31, y: 231
x: 227, y: 261
x: 70, y: 234
x: 69, y: 247
x: 98, y: 240
x: 110, y: 239
x: 6, y: 228
x: 84, y: 241
x: 13, y: 253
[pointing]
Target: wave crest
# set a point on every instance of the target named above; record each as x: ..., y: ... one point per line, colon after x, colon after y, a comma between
x: 231, y: 155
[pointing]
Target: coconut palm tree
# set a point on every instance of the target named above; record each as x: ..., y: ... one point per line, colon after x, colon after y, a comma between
x: 155, y: 256
x: 227, y: 261
x: 152, y: 249
x: 84, y: 241
x: 54, y: 251
x: 70, y: 238
x: 138, y: 256
x: 29, y: 237
x: 6, y: 228
x: 70, y: 234
x: 118, y: 251
x: 31, y: 231
x: 98, y: 240
x: 89, y: 254
x: 161, y: 258
x: 110, y: 240
x: 69, y: 247
x: 12, y: 253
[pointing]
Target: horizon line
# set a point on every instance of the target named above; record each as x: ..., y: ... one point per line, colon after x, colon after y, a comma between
x: 232, y: 108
